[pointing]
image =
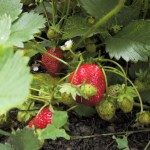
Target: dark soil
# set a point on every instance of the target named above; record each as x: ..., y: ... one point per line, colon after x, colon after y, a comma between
x: 89, y: 126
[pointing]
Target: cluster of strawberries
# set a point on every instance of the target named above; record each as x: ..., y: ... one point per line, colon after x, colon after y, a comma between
x: 93, y: 77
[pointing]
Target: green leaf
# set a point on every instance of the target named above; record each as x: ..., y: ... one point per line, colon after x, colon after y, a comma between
x: 98, y: 8
x: 5, y: 24
x: 69, y: 89
x: 25, y: 140
x: 24, y: 28
x: 51, y: 132
x: 132, y: 43
x: 77, y: 26
x: 10, y: 7
x: 86, y: 111
x: 122, y: 143
x: 6, y: 147
x: 60, y: 118
x: 14, y: 80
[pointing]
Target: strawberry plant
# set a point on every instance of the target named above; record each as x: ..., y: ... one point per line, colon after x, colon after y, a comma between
x: 60, y: 58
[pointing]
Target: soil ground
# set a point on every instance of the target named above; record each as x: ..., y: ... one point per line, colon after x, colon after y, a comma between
x: 87, y: 126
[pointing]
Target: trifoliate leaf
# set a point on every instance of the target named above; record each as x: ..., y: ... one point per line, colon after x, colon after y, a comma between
x: 59, y: 118
x: 25, y: 140
x: 98, y: 8
x: 24, y: 28
x: 5, y: 24
x: 69, y: 89
x: 51, y: 132
x: 10, y: 7
x: 14, y: 80
x: 132, y: 43
x: 122, y: 142
x: 6, y: 147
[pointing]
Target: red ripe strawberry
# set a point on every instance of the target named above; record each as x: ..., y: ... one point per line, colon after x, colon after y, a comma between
x: 42, y: 119
x: 90, y: 74
x: 52, y: 65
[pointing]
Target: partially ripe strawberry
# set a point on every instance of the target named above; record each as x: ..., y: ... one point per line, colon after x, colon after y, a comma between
x: 113, y: 90
x: 144, y: 118
x: 52, y: 34
x: 93, y: 75
x: 106, y: 109
x: 42, y: 119
x: 52, y: 65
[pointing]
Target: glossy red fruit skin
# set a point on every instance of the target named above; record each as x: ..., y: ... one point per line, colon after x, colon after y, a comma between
x: 94, y: 76
x: 42, y: 119
x: 52, y: 65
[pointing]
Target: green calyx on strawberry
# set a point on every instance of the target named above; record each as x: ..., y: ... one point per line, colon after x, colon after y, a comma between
x: 66, y: 93
x: 106, y: 109
x: 42, y: 119
x: 126, y: 98
x: 113, y: 90
x: 87, y: 90
x: 143, y: 118
x: 51, y: 64
x: 93, y: 75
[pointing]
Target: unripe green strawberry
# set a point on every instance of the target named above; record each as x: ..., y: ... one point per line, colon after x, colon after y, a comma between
x: 90, y: 47
x: 144, y: 118
x: 113, y: 90
x: 126, y: 104
x: 91, y: 20
x: 87, y: 90
x: 51, y: 34
x: 66, y: 99
x: 106, y: 110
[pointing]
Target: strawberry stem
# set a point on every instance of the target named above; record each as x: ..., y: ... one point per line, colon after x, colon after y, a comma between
x: 109, y: 134
x: 71, y: 108
x: 117, y: 64
x: 106, y: 82
x: 53, y: 12
x: 80, y: 62
x: 58, y: 59
x: 144, y: 106
x: 37, y: 99
x: 39, y: 91
x: 63, y: 78
x: 45, y: 11
x: 2, y: 132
